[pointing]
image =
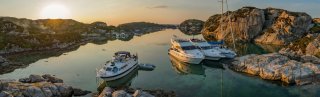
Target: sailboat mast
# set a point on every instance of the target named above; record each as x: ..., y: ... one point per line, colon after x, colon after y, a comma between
x: 231, y: 26
x: 221, y: 32
x: 221, y: 16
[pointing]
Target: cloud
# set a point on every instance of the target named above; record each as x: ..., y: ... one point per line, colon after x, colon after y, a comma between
x: 159, y: 7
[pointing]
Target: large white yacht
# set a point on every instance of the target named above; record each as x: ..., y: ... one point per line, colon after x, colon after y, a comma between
x: 121, y: 64
x: 225, y: 51
x: 208, y: 50
x: 185, y: 51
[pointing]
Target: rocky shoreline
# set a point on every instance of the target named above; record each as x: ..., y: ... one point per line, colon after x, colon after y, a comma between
x: 278, y: 67
x: 38, y: 86
x: 130, y: 92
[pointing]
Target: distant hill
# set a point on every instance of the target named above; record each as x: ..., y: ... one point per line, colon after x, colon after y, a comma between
x: 143, y: 27
x: 20, y: 34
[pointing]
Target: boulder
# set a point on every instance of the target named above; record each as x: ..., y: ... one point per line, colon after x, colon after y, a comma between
x: 25, y: 80
x: 140, y: 93
x: 5, y: 94
x: 275, y: 66
x: 310, y: 58
x: 33, y: 91
x: 47, y: 92
x: 2, y: 60
x: 80, y: 92
x: 120, y: 93
x: 52, y: 79
x: 51, y: 89
x: 64, y: 90
x: 313, y: 48
x: 35, y: 78
x: 32, y: 79
x: 108, y: 92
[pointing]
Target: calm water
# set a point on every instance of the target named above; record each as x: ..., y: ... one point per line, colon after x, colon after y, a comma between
x: 77, y: 68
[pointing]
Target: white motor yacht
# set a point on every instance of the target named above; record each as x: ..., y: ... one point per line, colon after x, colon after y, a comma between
x: 121, y: 64
x: 208, y: 50
x: 185, y: 51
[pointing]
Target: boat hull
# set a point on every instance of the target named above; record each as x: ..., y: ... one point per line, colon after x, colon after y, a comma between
x: 115, y: 77
x: 230, y: 55
x: 185, y: 59
x: 212, y: 58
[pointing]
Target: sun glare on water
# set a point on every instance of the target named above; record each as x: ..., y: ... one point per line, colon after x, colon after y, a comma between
x: 55, y: 11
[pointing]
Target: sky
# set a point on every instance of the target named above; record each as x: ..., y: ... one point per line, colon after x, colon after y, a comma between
x: 115, y: 12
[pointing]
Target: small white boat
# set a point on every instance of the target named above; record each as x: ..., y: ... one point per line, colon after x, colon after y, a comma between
x: 121, y: 64
x: 146, y: 66
x: 208, y: 50
x: 185, y: 51
x: 225, y: 51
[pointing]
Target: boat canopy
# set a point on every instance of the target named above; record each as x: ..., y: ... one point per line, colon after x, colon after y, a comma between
x: 122, y: 52
x: 216, y: 42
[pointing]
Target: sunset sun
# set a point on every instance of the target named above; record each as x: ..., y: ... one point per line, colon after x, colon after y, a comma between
x: 55, y: 11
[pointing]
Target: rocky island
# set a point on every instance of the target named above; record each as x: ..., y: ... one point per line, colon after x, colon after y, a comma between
x: 296, y: 63
x: 191, y: 26
x: 267, y: 26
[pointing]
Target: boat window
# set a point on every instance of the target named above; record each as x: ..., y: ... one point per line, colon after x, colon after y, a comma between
x: 115, y: 69
x: 108, y: 69
x: 206, y: 47
x: 189, y: 47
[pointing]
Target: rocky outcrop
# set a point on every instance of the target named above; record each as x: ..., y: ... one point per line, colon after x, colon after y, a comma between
x: 308, y: 45
x: 268, y: 26
x: 32, y: 79
x: 51, y: 79
x: 275, y: 66
x: 316, y: 20
x: 109, y: 92
x: 191, y: 26
x: 37, y: 78
x: 313, y: 48
x: 80, y: 92
x: 39, y: 87
x: 8, y: 66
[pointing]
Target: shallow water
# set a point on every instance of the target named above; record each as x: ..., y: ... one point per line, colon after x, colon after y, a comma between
x: 209, y: 79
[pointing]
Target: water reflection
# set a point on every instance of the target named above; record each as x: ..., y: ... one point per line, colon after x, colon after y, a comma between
x: 252, y: 48
x: 185, y: 68
x: 214, y: 64
x: 124, y: 82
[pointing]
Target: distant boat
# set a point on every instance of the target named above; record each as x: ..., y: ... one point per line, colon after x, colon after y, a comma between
x: 185, y: 51
x: 121, y: 64
x: 210, y: 52
x: 147, y: 67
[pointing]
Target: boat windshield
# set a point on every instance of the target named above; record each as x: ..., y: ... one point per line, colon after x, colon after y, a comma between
x: 206, y: 47
x: 189, y: 47
x: 108, y: 69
